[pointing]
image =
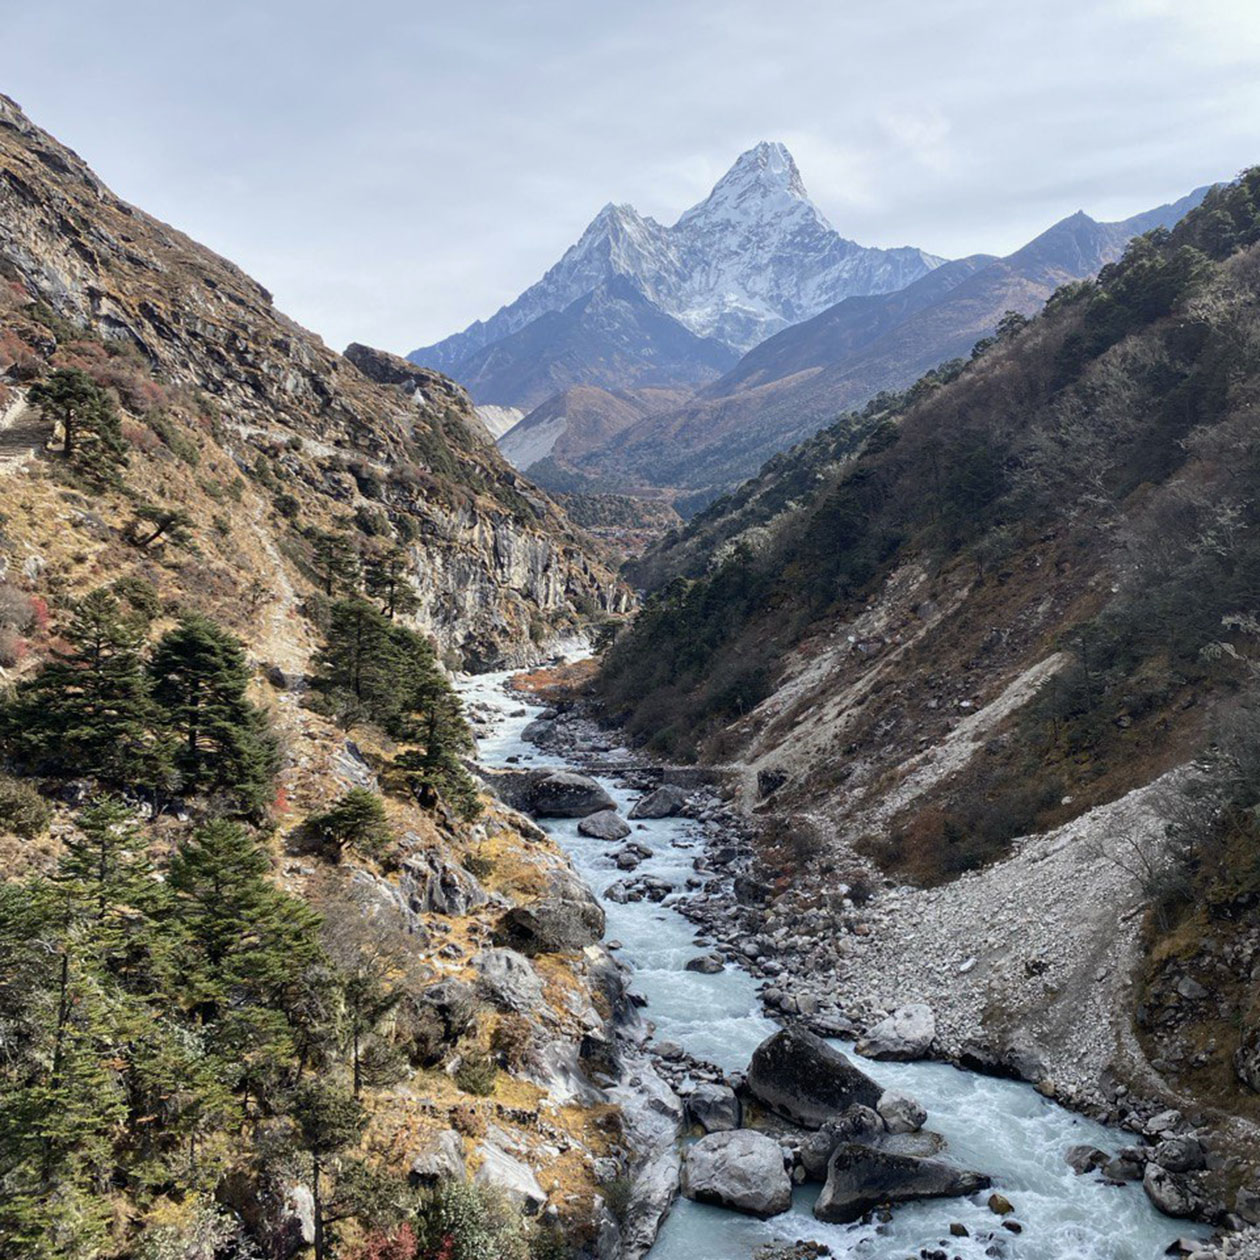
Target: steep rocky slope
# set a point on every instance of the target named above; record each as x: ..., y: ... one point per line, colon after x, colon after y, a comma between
x: 253, y: 469
x: 989, y: 685
x: 494, y: 559
x: 577, y: 420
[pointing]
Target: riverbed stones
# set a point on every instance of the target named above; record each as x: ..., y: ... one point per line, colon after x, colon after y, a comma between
x: 706, y: 964
x: 565, y: 794
x: 803, y: 1079
x: 860, y: 1178
x: 1084, y: 1158
x: 665, y: 802
x: 607, y: 824
x: 1175, y: 1194
x: 900, y: 1113
x: 1179, y: 1154
x: 741, y: 1170
x: 566, y: 917
x: 903, y: 1036
x: 715, y: 1108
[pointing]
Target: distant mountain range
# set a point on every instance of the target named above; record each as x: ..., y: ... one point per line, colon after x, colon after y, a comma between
x: 683, y: 357
x: 801, y: 379
x: 635, y: 303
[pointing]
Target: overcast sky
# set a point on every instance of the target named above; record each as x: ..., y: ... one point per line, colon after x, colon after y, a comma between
x: 394, y: 169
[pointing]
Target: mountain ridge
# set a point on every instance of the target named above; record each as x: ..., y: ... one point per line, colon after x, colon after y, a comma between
x: 753, y: 257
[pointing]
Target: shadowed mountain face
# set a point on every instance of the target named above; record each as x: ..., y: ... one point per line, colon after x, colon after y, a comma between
x: 795, y: 382
x: 754, y: 257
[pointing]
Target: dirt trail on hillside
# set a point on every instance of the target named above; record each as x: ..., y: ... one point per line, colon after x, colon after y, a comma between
x: 22, y: 432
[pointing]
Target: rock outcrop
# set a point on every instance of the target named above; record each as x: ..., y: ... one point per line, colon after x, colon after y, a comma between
x: 495, y: 563
x: 565, y: 917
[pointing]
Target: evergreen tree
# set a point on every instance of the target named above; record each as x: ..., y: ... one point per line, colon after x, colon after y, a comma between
x: 329, y: 1119
x: 223, y: 742
x: 355, y: 669
x: 356, y: 820
x: 387, y: 577
x: 153, y: 522
x: 336, y: 561
x: 88, y: 711
x: 91, y: 432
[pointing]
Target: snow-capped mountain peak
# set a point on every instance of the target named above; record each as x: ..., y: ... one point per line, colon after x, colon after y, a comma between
x: 753, y: 257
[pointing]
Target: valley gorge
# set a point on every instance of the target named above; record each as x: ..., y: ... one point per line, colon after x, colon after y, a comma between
x: 835, y: 836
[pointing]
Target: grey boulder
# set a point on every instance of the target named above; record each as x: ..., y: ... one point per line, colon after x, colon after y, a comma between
x: 509, y: 980
x: 741, y: 1170
x: 665, y: 802
x: 605, y: 825
x: 441, y: 1161
x: 714, y: 1108
x: 433, y: 884
x: 860, y: 1178
x: 900, y: 1113
x: 566, y: 917
x: 803, y: 1079
x: 515, y: 1179
x: 904, y: 1035
x: 563, y: 794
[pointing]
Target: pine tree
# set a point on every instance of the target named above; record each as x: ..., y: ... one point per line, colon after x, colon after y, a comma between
x: 336, y: 561
x: 222, y: 740
x: 88, y: 711
x: 247, y: 946
x: 355, y: 820
x: 355, y: 669
x: 387, y: 577
x: 329, y: 1119
x: 91, y: 431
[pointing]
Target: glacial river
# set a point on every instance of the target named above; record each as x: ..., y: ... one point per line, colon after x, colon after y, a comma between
x: 1002, y: 1128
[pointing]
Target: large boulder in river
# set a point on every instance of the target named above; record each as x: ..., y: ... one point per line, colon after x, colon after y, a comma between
x: 901, y: 1113
x: 714, y: 1108
x: 860, y: 1178
x: 564, y: 794
x: 665, y: 802
x: 906, y: 1034
x: 742, y: 1170
x: 565, y: 917
x: 605, y: 825
x: 801, y: 1077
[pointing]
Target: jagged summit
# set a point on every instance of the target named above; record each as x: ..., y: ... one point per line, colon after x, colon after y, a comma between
x: 763, y: 179
x: 753, y: 257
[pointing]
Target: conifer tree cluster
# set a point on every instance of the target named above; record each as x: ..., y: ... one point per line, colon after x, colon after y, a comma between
x: 371, y: 669
x: 348, y: 566
x: 173, y: 718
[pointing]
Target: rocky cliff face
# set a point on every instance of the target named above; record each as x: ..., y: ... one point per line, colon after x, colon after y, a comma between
x: 499, y: 569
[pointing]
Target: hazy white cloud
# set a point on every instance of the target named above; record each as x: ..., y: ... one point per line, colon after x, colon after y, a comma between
x: 393, y: 169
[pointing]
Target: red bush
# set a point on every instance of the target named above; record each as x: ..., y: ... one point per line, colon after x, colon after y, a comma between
x: 398, y: 1244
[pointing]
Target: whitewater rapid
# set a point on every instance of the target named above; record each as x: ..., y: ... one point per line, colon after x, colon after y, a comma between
x: 1002, y: 1128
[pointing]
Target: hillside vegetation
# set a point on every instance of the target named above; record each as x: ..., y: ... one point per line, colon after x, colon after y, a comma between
x: 1110, y: 437
x: 241, y: 937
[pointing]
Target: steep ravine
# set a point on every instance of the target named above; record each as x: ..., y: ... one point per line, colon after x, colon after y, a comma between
x: 1004, y: 1128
